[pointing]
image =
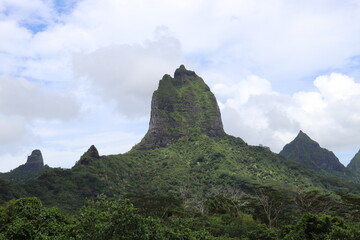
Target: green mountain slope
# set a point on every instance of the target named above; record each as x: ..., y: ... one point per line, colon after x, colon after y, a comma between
x: 185, y: 154
x: 354, y: 165
x: 305, y: 150
x: 189, y: 169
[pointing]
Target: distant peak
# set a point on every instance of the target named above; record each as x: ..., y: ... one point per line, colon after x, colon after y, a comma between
x: 90, y: 154
x: 302, y: 135
x: 35, y: 160
x: 307, y: 151
x: 36, y: 152
x: 182, y: 71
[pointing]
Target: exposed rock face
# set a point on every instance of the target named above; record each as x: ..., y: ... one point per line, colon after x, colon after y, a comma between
x: 354, y: 164
x: 34, y: 161
x: 33, y: 167
x: 181, y: 107
x: 309, y: 152
x: 90, y: 154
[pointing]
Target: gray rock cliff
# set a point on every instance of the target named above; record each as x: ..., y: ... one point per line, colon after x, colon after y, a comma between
x: 34, y: 161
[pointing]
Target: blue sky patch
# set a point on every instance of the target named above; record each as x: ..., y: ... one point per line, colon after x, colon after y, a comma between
x: 65, y: 6
x: 35, y: 27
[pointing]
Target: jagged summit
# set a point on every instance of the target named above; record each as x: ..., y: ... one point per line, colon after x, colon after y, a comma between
x: 354, y: 164
x: 90, y: 154
x: 33, y: 167
x: 182, y: 106
x: 303, y: 135
x: 305, y: 150
x: 34, y: 161
x: 182, y: 72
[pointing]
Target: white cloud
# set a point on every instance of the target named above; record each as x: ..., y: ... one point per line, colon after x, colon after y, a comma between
x: 337, y: 87
x: 129, y: 74
x: 240, y: 92
x: 15, y: 137
x: 26, y: 12
x: 12, y: 131
x: 13, y: 38
x: 19, y: 97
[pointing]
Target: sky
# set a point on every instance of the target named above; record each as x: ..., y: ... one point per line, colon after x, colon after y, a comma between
x: 79, y: 72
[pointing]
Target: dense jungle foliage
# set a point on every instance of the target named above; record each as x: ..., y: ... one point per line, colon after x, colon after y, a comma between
x: 229, y: 214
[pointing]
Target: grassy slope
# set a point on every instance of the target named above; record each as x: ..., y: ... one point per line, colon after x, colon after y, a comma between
x: 189, y: 168
x: 18, y: 175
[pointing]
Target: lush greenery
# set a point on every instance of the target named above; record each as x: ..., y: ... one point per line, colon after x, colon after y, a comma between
x: 226, y: 215
x: 188, y: 170
x: 19, y: 175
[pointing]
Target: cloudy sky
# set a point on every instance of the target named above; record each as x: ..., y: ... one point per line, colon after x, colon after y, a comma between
x: 79, y: 72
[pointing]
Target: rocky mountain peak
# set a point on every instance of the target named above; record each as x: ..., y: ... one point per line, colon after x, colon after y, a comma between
x: 182, y: 106
x: 305, y: 150
x: 182, y: 72
x: 91, y: 153
x: 34, y: 161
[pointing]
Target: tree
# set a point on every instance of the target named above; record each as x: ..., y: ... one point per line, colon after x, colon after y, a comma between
x: 28, y: 219
x: 314, y: 202
x: 110, y: 220
x: 321, y: 227
x: 351, y: 209
x: 273, y: 203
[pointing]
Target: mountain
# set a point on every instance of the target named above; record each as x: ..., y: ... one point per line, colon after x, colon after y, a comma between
x: 91, y: 154
x: 185, y: 154
x: 33, y: 167
x: 354, y: 165
x: 182, y: 106
x: 308, y: 152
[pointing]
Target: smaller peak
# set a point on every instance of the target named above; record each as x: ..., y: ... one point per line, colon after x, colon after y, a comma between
x: 301, y: 134
x: 182, y: 71
x: 90, y: 154
x: 166, y: 78
x: 36, y: 152
x: 304, y: 138
x: 35, y: 160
